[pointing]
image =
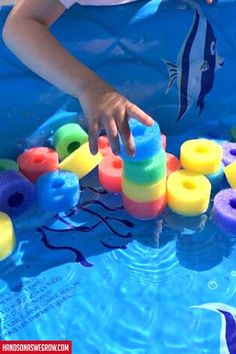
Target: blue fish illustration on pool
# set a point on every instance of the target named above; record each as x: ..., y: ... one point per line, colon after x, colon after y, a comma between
x: 228, y: 325
x: 196, y: 64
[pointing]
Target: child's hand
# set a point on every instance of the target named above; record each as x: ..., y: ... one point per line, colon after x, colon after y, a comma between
x: 106, y: 108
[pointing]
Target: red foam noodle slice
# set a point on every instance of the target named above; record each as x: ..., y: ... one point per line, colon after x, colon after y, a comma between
x: 110, y: 173
x: 147, y: 210
x: 37, y: 161
x: 173, y: 164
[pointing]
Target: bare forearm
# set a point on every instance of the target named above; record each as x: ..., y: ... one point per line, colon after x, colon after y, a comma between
x: 33, y: 43
x: 26, y: 34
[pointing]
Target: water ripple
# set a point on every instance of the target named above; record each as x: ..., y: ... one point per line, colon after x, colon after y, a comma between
x: 145, y: 264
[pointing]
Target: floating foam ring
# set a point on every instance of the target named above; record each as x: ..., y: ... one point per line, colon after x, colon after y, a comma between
x: 7, y: 236
x: 173, y: 164
x: 146, y: 172
x: 188, y: 193
x: 104, y: 146
x: 201, y: 156
x: 229, y: 153
x: 37, y: 161
x: 68, y: 138
x: 144, y: 193
x: 81, y: 161
x: 8, y: 165
x: 233, y: 133
x: 57, y: 191
x: 147, y: 141
x: 148, y: 210
x: 224, y: 210
x: 230, y: 173
x: 16, y: 193
x: 110, y: 173
x: 216, y: 178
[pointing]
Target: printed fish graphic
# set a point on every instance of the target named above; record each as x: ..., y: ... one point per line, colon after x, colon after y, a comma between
x: 228, y: 325
x: 196, y: 64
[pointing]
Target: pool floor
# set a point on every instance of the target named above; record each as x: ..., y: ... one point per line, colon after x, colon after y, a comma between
x: 114, y: 284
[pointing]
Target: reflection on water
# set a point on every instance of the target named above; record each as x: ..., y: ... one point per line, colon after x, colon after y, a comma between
x: 156, y: 249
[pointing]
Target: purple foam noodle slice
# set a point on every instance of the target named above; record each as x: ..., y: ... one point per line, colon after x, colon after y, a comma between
x: 229, y: 153
x: 17, y: 193
x: 224, y: 210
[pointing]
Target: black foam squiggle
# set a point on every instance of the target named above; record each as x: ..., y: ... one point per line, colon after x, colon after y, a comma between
x: 73, y: 227
x: 127, y: 235
x: 79, y: 256
x: 123, y: 247
x: 95, y: 190
x: 122, y: 221
x: 97, y: 202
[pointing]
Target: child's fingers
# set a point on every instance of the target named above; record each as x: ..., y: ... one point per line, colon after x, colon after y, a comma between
x: 135, y: 112
x: 126, y: 136
x: 93, y: 137
x: 112, y: 134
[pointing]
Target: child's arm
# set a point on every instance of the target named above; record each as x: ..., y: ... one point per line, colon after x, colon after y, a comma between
x: 26, y: 34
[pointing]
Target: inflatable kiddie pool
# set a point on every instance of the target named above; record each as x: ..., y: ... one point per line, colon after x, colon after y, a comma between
x: 95, y: 275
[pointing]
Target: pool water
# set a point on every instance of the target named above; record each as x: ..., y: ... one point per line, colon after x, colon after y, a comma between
x: 95, y: 275
x: 114, y: 284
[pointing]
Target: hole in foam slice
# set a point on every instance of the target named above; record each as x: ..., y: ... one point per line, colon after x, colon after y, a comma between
x: 117, y: 164
x: 232, y: 203
x: 57, y: 183
x: 138, y: 130
x: 201, y: 149
x: 233, y: 152
x: 103, y: 142
x: 189, y: 185
x: 15, y: 200
x: 73, y: 146
x: 39, y: 159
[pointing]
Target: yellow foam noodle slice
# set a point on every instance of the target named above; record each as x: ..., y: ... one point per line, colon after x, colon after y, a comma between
x: 188, y: 193
x: 7, y: 236
x: 145, y: 192
x: 81, y: 161
x: 230, y: 173
x: 201, y: 155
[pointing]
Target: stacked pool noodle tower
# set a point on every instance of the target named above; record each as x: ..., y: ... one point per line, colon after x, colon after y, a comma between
x: 144, y: 175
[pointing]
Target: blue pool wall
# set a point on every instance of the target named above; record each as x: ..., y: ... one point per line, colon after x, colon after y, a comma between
x: 129, y: 46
